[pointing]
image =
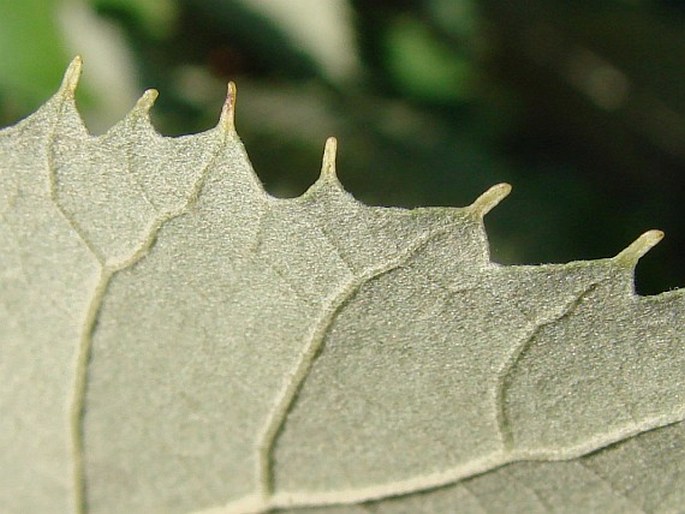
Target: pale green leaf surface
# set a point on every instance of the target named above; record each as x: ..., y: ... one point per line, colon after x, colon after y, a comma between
x: 175, y: 340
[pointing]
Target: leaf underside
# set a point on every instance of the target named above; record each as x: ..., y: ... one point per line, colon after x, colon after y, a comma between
x: 175, y: 340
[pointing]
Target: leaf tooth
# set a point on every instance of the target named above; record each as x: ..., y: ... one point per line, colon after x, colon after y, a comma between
x: 328, y: 179
x: 329, y: 176
x: 330, y: 151
x: 488, y: 200
x: 71, y: 77
x: 227, y: 118
x: 146, y: 101
x: 639, y: 247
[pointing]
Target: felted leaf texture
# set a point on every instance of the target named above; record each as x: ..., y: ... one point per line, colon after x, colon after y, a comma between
x: 175, y: 340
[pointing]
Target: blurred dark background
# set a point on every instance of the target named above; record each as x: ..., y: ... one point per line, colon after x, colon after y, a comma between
x: 580, y: 105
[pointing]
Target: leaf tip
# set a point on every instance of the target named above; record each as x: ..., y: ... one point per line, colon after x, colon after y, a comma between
x: 639, y: 247
x: 227, y: 119
x: 488, y: 200
x: 72, y: 76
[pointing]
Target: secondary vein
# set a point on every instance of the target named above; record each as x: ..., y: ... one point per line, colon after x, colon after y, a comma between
x: 312, y: 348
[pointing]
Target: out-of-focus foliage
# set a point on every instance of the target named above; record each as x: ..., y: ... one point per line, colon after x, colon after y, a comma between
x: 579, y: 105
x: 31, y: 55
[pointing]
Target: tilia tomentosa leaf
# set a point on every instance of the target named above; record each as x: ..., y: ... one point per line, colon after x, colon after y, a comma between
x: 175, y: 340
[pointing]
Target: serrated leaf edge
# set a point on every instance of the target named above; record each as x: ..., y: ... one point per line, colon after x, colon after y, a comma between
x: 266, y: 500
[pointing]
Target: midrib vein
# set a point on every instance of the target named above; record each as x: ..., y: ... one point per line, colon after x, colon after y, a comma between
x: 286, y: 500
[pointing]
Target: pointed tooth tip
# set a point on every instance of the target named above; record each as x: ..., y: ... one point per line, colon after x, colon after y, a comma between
x: 488, y: 200
x: 76, y: 62
x: 329, y: 154
x: 330, y: 149
x: 640, y: 246
x: 232, y: 90
x: 72, y: 75
x: 147, y: 100
x: 227, y: 119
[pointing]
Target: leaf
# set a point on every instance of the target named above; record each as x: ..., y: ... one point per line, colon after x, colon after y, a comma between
x: 175, y: 340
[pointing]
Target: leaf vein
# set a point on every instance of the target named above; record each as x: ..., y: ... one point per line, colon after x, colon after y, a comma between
x: 312, y: 348
x: 84, y: 353
x: 503, y: 423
